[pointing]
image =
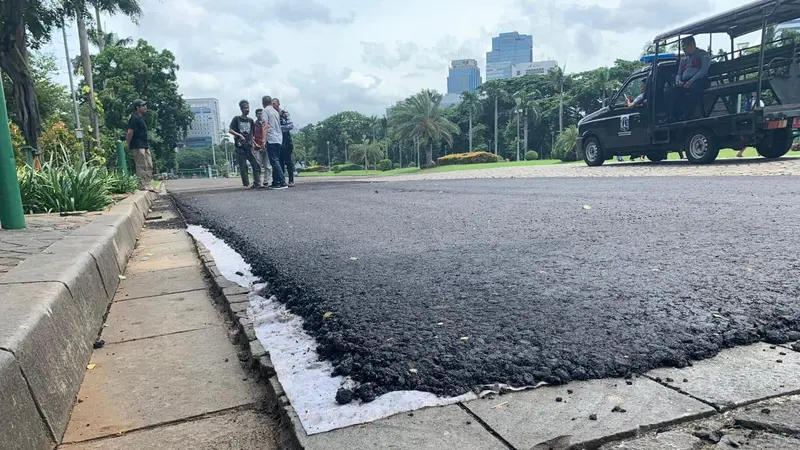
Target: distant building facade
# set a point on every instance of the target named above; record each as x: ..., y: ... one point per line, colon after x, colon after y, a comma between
x: 533, y: 68
x: 449, y: 100
x: 508, y: 49
x: 204, y: 131
x: 465, y: 75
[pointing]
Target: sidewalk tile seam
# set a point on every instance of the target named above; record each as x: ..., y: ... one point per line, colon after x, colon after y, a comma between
x: 684, y: 393
x: 162, y: 335
x: 33, y: 397
x: 153, y: 297
x: 238, y: 408
x: 486, y: 426
x: 726, y: 408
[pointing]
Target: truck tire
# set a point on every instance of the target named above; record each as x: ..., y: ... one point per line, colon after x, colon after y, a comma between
x: 776, y: 144
x: 657, y: 156
x: 593, y: 152
x: 702, y: 146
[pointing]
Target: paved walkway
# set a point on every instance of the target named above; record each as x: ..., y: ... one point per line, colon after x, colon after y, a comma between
x: 42, y: 231
x: 168, y: 375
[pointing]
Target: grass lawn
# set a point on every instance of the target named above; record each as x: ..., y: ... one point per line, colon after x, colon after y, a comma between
x: 365, y: 173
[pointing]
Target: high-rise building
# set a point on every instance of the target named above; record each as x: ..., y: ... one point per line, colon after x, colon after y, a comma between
x: 533, y: 68
x: 508, y: 49
x: 464, y: 76
x: 206, y: 126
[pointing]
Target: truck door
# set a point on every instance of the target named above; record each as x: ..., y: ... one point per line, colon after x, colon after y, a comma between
x: 628, y: 129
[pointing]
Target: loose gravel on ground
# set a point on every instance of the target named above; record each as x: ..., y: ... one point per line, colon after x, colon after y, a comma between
x: 443, y: 286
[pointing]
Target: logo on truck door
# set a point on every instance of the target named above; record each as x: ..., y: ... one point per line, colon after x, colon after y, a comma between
x: 625, y: 125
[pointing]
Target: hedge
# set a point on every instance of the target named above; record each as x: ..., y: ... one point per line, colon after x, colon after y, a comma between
x: 531, y: 156
x: 467, y: 158
x: 313, y: 169
x: 346, y: 167
x: 385, y: 164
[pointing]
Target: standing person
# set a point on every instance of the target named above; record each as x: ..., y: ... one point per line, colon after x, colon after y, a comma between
x: 274, y: 142
x: 749, y: 105
x: 286, y: 148
x: 139, y: 144
x: 260, y: 145
x: 242, y: 128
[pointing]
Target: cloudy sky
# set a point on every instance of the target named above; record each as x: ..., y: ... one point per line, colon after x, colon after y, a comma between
x: 324, y: 56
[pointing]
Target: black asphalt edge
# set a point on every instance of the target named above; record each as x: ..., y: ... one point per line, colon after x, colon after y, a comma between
x: 234, y: 301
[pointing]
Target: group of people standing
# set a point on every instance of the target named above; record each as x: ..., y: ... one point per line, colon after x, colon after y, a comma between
x: 264, y: 142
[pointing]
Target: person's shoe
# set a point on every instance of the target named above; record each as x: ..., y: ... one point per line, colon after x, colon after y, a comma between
x: 291, y: 184
x: 280, y: 186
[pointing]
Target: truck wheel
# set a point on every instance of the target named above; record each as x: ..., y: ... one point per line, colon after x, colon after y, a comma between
x: 657, y: 156
x: 776, y: 144
x: 593, y: 152
x: 702, y: 147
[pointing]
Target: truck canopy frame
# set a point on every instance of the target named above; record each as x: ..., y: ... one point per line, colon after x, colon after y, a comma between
x: 740, y: 21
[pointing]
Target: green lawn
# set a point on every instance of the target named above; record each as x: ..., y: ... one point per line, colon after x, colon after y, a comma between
x: 365, y: 173
x: 750, y: 152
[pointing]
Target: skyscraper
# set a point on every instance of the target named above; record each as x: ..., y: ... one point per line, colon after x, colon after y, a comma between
x: 464, y: 76
x: 508, y: 49
x: 206, y: 126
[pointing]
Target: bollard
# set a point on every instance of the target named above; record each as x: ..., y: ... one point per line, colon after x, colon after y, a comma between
x: 12, y: 216
x: 122, y: 163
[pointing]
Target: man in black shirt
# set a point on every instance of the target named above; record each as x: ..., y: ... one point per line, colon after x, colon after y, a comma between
x: 242, y: 128
x: 139, y: 145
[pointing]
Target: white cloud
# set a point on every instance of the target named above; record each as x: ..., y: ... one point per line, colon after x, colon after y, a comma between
x: 325, y: 56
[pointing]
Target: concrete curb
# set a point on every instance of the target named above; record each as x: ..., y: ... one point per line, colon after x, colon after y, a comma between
x: 53, y: 307
x: 234, y: 299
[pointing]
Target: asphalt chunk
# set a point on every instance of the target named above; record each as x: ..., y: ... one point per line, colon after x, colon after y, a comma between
x: 544, y: 291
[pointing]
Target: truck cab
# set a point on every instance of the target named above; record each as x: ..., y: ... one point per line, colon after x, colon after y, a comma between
x: 771, y: 71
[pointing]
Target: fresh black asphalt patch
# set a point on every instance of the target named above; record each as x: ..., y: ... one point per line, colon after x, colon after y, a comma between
x: 442, y: 286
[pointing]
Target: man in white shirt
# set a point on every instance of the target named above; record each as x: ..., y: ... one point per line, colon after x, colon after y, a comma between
x: 274, y: 142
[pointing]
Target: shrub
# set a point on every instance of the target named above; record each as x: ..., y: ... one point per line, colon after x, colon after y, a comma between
x: 412, y: 165
x: 467, y: 158
x: 345, y: 167
x: 122, y: 184
x: 796, y: 146
x: 385, y: 164
x: 396, y: 166
x: 531, y: 156
x: 313, y: 169
x: 71, y: 187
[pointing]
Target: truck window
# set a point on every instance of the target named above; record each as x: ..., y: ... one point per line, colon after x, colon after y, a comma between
x: 631, y: 90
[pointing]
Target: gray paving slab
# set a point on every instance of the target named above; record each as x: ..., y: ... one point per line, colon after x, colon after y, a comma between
x: 445, y: 428
x: 21, y: 426
x: 140, y: 262
x: 151, y: 381
x: 670, y: 440
x: 44, y: 328
x: 738, y: 376
x: 240, y: 430
x: 779, y: 416
x: 156, y: 316
x: 528, y: 418
x: 156, y: 237
x: 177, y: 246
x: 754, y: 440
x: 162, y: 282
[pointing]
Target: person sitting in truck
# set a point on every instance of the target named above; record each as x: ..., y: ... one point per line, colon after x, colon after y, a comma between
x: 640, y: 100
x: 690, y: 82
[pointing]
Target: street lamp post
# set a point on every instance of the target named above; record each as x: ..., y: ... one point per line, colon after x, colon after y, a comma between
x: 12, y: 215
x: 329, y: 154
x: 519, y: 112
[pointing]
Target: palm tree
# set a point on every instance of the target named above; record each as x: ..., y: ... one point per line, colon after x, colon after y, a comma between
x: 365, y: 151
x: 566, y: 145
x: 528, y: 102
x: 79, y: 9
x: 420, y: 117
x: 605, y: 83
x: 105, y: 40
x: 472, y: 103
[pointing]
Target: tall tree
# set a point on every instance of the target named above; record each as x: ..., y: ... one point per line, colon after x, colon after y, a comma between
x: 420, y: 117
x: 470, y: 102
x: 25, y: 24
x: 365, y: 151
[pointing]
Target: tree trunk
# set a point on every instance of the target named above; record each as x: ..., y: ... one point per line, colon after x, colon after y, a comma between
x: 429, y: 156
x: 14, y: 62
x: 101, y: 41
x: 525, y: 133
x: 471, y: 148
x: 86, y: 60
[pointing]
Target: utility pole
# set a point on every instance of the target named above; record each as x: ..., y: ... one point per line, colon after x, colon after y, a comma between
x: 519, y: 111
x: 495, y: 123
x: 561, y: 100
x: 329, y: 154
x: 12, y: 216
x: 75, y: 115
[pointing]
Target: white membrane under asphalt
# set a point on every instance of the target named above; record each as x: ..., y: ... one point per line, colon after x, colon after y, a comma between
x: 306, y: 379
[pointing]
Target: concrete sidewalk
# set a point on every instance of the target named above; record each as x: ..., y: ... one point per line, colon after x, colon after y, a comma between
x: 168, y: 375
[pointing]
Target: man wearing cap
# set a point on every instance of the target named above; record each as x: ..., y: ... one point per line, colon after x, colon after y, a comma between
x: 691, y: 81
x: 139, y: 145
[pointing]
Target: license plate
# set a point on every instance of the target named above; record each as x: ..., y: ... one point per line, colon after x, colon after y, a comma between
x: 796, y: 123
